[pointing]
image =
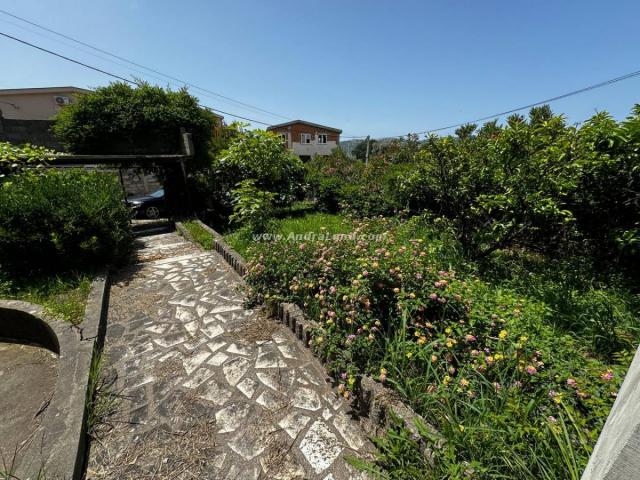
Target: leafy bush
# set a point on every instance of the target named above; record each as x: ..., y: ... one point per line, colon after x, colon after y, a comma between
x: 512, y: 393
x: 254, y: 155
x: 62, y: 220
x: 121, y: 119
x: 15, y: 158
x: 252, y: 207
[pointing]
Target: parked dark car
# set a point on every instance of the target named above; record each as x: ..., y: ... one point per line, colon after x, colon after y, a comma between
x: 148, y: 206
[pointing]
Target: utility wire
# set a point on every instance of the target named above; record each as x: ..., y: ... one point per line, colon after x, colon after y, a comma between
x: 131, y: 62
x: 541, y: 102
x: 132, y: 82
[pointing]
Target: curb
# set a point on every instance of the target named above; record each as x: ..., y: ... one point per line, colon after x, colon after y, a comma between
x: 376, y: 404
x: 59, y: 445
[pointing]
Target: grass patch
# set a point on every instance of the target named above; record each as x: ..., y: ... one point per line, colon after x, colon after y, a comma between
x: 314, y: 223
x: 200, y: 235
x: 62, y: 296
x: 102, y: 401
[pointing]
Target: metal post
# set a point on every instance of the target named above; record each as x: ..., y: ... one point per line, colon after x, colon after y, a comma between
x: 366, y: 157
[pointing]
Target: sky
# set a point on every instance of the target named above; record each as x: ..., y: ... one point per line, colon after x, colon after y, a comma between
x: 370, y: 67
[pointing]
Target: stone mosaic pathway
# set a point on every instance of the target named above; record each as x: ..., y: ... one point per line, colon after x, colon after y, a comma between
x: 209, y: 389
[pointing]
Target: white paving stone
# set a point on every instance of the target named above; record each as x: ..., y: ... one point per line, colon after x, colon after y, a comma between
x: 212, y: 331
x: 230, y: 418
x: 234, y: 369
x: 247, y: 387
x: 192, y: 362
x: 218, y: 359
x: 320, y: 447
x: 215, y: 392
x: 349, y: 432
x: 198, y: 378
x: 306, y: 398
x: 293, y: 423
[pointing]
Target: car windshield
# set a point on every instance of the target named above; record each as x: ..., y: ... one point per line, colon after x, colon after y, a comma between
x: 158, y: 193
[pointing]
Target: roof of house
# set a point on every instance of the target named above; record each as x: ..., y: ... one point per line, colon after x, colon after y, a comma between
x: 293, y: 122
x: 22, y: 91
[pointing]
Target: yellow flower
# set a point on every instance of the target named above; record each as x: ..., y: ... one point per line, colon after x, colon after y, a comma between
x: 434, y: 358
x: 464, y: 382
x: 448, y: 330
x: 524, y: 339
x: 352, y: 380
x: 499, y: 356
x: 446, y: 379
x: 409, y: 354
x: 449, y: 344
x: 383, y: 371
x: 461, y: 427
x: 422, y: 341
x: 503, y: 334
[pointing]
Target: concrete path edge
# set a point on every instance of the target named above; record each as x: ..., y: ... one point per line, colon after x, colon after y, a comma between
x: 59, y: 451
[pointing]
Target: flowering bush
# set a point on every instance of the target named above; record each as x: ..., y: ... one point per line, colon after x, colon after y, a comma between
x: 484, y: 365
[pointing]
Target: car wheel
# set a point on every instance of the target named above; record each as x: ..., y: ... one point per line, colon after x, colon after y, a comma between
x: 152, y: 212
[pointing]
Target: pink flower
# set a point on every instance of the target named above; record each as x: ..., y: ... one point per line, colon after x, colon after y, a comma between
x: 433, y: 296
x: 552, y: 419
x: 497, y: 386
x: 365, y: 273
x: 531, y: 370
x: 572, y: 383
x: 301, y: 246
x: 475, y: 353
x: 607, y: 376
x: 332, y: 290
x: 470, y: 338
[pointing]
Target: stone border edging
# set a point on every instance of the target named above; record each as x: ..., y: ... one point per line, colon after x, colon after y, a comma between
x: 60, y: 443
x: 376, y: 404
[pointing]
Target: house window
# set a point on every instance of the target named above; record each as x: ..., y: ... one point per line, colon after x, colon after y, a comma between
x: 322, y: 138
x: 285, y: 138
x: 305, y: 138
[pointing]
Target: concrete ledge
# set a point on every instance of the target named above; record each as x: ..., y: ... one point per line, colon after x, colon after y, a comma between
x: 616, y: 455
x: 376, y: 404
x: 58, y: 447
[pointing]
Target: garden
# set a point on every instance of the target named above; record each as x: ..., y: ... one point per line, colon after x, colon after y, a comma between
x: 489, y: 277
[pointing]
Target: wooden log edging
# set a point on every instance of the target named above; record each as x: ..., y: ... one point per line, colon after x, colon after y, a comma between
x: 376, y: 404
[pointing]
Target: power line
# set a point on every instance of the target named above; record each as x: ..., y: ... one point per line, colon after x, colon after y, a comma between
x: 68, y: 59
x: 131, y: 62
x: 132, y: 82
x: 536, y: 104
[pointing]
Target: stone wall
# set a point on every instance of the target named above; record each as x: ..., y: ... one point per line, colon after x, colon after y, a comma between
x: 138, y: 182
x: 36, y: 132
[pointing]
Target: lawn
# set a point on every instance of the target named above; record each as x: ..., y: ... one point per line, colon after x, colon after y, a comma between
x: 310, y: 223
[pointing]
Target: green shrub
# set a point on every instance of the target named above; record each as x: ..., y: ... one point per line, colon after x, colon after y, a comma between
x: 252, y: 207
x: 257, y: 156
x: 62, y: 220
x: 121, y: 119
x: 15, y: 158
